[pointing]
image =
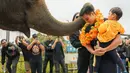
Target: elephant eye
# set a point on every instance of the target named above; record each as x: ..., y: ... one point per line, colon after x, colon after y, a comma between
x: 76, y: 16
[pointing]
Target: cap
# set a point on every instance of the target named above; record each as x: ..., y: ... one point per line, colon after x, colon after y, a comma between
x: 34, y: 36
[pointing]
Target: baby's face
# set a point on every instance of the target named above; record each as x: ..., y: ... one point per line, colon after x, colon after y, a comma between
x: 111, y: 16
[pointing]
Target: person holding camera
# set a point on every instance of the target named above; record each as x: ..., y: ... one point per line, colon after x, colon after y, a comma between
x: 48, y: 54
x: 10, y: 51
x: 58, y: 55
x: 22, y: 43
x: 127, y: 47
x: 36, y: 49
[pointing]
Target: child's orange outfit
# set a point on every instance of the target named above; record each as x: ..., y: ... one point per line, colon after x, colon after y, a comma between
x: 108, y: 30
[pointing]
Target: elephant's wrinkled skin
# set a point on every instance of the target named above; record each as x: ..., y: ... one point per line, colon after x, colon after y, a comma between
x: 21, y: 15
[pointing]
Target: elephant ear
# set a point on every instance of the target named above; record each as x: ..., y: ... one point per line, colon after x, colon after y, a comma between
x: 13, y: 16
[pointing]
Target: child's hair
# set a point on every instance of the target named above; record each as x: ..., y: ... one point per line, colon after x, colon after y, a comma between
x: 117, y: 11
x: 87, y: 9
x: 75, y: 16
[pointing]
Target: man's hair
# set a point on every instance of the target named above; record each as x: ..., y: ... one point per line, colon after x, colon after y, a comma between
x: 87, y: 9
x: 3, y: 40
x: 117, y: 11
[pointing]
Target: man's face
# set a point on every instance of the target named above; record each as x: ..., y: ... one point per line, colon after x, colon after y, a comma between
x: 127, y: 41
x: 4, y: 43
x: 89, y: 18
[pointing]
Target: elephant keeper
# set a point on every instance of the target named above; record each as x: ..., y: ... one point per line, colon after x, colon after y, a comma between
x: 10, y: 51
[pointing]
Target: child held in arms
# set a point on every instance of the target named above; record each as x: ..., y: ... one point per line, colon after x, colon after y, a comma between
x: 107, y: 31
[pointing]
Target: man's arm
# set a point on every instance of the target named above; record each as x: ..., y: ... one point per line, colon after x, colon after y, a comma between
x: 74, y: 40
x: 24, y: 42
x: 16, y: 40
x: 31, y: 45
x: 63, y: 45
x: 54, y: 44
x: 95, y: 52
x: 90, y: 49
x: 40, y: 45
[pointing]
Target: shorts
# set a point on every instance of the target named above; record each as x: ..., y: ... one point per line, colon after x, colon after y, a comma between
x: 27, y: 65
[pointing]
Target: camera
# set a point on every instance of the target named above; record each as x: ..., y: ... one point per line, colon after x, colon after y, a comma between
x: 20, y: 38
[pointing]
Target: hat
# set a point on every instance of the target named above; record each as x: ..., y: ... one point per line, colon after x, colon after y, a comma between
x: 34, y: 36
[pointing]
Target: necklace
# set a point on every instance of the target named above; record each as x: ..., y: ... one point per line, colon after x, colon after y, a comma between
x: 86, y: 38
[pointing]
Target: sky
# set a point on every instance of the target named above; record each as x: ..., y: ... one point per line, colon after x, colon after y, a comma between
x: 64, y: 10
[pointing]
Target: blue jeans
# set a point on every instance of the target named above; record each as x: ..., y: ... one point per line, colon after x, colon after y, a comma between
x: 47, y: 59
x: 14, y: 63
x: 57, y: 66
x: 115, y: 58
x: 118, y: 68
x: 36, y: 66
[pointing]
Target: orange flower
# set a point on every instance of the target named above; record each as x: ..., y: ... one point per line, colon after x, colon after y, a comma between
x: 86, y: 38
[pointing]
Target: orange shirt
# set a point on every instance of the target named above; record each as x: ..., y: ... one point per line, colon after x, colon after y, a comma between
x: 108, y: 30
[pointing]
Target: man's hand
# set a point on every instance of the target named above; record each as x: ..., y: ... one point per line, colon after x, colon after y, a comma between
x: 98, y: 52
x: 56, y: 40
x: 127, y: 59
x: 60, y: 40
x: 38, y: 42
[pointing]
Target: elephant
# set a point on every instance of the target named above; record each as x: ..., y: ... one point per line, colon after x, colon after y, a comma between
x: 21, y: 15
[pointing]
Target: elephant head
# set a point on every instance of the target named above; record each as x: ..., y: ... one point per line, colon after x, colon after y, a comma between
x: 21, y: 15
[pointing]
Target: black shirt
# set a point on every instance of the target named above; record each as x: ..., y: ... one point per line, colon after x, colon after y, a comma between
x: 74, y: 38
x: 48, y: 49
x: 11, y: 51
x: 58, y: 51
x: 26, y: 52
x: 36, y: 55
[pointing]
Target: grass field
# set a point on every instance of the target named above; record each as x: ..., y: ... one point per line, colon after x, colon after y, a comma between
x: 21, y: 68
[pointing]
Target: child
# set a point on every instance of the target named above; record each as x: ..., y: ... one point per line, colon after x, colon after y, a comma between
x: 107, y: 31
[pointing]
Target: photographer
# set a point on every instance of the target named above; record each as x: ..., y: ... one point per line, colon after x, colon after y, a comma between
x: 59, y: 56
x: 10, y: 51
x: 48, y: 54
x: 22, y: 43
x: 36, y: 49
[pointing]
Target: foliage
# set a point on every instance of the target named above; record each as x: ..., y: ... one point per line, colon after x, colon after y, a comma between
x: 21, y: 68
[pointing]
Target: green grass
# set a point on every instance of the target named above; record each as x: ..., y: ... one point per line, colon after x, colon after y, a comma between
x: 21, y: 68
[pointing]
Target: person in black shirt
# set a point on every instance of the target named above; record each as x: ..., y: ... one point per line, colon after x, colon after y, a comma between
x: 58, y: 55
x: 36, y: 49
x: 10, y: 51
x: 83, y: 53
x: 26, y: 53
x: 126, y: 47
x: 48, y: 54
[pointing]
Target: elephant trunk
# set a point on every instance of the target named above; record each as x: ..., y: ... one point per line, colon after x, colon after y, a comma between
x: 40, y: 19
